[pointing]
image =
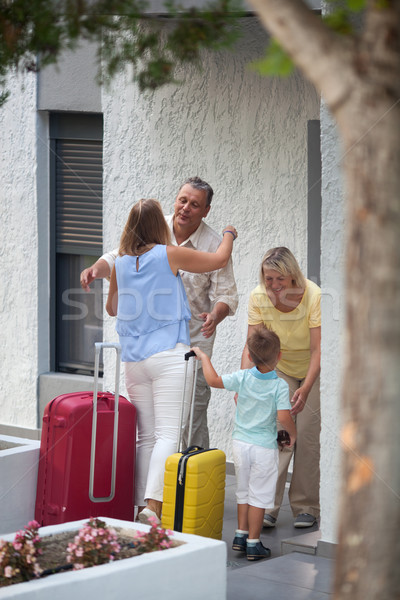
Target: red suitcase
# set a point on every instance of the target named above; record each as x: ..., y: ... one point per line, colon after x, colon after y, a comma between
x: 87, y: 455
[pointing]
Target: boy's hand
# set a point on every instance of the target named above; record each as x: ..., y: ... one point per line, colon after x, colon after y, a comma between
x: 283, y: 438
x: 212, y: 378
x: 199, y: 353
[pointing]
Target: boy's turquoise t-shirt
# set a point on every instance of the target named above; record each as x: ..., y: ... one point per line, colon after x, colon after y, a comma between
x: 261, y: 395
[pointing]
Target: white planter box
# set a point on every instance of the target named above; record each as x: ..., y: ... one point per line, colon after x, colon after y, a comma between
x: 19, y: 459
x: 195, y: 570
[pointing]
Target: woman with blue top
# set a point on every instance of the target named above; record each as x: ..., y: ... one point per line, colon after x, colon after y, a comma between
x: 147, y: 296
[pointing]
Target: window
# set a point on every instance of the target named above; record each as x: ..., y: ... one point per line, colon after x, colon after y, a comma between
x: 76, y: 199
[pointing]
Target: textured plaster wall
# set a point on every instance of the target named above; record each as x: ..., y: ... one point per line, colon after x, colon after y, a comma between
x: 18, y: 254
x: 332, y: 274
x: 244, y: 134
x: 71, y: 83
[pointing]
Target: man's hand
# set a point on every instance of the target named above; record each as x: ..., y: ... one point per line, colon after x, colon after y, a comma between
x: 98, y: 270
x: 209, y: 326
x: 87, y: 276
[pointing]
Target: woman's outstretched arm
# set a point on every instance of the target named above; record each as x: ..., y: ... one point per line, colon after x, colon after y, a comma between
x: 195, y: 261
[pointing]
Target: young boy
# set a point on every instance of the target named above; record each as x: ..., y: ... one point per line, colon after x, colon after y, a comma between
x: 262, y: 397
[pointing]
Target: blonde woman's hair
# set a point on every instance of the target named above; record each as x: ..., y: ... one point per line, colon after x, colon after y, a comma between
x: 282, y: 260
x: 145, y: 227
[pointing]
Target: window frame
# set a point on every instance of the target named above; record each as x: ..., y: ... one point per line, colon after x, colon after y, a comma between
x: 67, y: 126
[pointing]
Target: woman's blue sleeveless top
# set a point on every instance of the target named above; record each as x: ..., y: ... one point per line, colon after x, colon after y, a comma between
x: 153, y: 312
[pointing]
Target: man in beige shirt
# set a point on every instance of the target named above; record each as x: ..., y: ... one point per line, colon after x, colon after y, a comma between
x: 212, y: 296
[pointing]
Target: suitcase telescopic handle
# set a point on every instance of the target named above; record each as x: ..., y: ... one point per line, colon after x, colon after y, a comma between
x: 187, y: 356
x: 98, y: 348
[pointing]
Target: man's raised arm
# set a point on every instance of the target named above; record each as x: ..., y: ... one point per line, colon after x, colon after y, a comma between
x: 100, y: 269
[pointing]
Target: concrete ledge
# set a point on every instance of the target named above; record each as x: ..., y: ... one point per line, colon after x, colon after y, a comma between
x: 326, y: 549
x: 19, y: 460
x: 196, y: 570
x: 306, y: 543
x: 21, y: 432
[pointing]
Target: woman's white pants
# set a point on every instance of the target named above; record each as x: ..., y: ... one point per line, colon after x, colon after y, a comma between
x: 155, y: 388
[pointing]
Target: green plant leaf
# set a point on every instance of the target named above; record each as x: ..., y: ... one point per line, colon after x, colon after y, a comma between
x: 356, y: 5
x: 275, y: 62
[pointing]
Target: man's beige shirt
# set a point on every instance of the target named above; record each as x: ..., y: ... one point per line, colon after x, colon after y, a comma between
x: 203, y: 290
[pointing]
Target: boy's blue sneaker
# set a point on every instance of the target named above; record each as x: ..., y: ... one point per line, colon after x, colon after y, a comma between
x: 257, y: 551
x: 239, y: 542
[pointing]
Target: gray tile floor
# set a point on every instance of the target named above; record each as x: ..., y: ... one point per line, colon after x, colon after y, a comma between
x: 294, y: 576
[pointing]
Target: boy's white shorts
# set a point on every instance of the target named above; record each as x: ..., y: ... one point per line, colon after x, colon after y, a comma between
x: 256, y: 474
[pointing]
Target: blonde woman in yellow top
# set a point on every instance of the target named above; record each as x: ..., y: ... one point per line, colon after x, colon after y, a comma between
x: 289, y: 304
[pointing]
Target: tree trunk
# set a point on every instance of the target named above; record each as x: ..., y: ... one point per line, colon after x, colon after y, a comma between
x: 369, y: 523
x: 361, y: 85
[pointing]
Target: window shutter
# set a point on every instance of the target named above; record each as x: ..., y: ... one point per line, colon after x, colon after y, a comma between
x: 79, y: 210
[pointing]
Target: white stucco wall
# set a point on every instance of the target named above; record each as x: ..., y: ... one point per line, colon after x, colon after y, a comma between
x: 332, y: 274
x: 18, y: 252
x: 244, y: 134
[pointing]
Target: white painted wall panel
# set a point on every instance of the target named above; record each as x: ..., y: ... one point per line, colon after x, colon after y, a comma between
x: 332, y: 275
x: 18, y: 251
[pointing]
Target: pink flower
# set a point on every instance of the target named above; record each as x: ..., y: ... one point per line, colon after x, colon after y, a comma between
x: 33, y: 525
x: 8, y: 572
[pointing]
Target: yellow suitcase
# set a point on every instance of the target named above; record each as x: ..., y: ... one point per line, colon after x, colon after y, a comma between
x: 194, y: 485
x: 194, y: 492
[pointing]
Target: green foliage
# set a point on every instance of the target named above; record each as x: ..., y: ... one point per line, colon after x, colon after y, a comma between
x: 275, y: 62
x: 127, y: 35
x: 341, y: 16
x: 356, y: 5
x: 153, y: 46
x: 340, y: 19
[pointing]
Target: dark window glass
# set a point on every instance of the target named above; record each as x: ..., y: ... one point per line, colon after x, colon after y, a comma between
x: 77, y: 219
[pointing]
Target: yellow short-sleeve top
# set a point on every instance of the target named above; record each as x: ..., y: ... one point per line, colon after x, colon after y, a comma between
x: 293, y: 328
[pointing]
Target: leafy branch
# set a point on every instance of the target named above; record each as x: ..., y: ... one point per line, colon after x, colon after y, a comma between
x: 34, y: 33
x: 341, y: 19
